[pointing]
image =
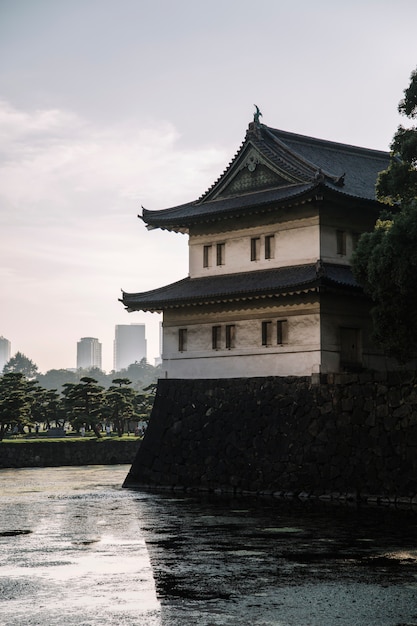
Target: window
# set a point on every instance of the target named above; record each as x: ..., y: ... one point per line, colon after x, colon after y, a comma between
x: 230, y: 336
x: 341, y: 242
x: 255, y: 248
x: 216, y: 332
x: 266, y: 333
x: 350, y: 347
x: 182, y: 339
x: 207, y: 256
x: 269, y: 246
x: 282, y: 332
x: 355, y: 239
x: 220, y: 253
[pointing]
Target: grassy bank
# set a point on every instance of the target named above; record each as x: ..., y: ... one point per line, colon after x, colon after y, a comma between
x: 31, y: 439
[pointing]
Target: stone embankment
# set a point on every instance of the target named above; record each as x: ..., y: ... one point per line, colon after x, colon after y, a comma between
x: 336, y: 436
x: 67, y: 452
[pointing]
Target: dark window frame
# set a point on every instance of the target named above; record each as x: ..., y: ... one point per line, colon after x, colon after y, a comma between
x: 255, y: 248
x: 216, y: 337
x: 220, y: 253
x: 282, y: 332
x: 207, y: 255
x: 266, y: 332
x: 355, y: 239
x: 230, y: 336
x: 269, y: 246
x: 341, y: 242
x: 182, y: 340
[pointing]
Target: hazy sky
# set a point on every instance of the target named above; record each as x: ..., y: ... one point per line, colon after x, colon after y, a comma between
x: 107, y: 105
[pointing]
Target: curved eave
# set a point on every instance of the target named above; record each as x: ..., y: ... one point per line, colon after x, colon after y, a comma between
x: 159, y: 307
x: 179, y: 219
x: 183, y: 216
x: 196, y: 292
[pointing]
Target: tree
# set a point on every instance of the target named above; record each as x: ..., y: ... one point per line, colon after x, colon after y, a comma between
x: 140, y: 373
x: 144, y: 402
x: 55, y: 379
x: 15, y: 402
x: 44, y: 405
x: 120, y: 403
x: 20, y: 363
x: 385, y: 260
x: 398, y: 184
x: 84, y: 404
x: 99, y: 376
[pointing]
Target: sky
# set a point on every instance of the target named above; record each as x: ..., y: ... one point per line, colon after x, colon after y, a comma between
x: 110, y: 105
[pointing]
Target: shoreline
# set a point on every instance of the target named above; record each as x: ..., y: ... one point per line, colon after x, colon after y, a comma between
x: 67, y: 452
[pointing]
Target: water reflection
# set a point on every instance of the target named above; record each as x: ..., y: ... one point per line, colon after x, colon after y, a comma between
x: 278, y: 562
x: 83, y: 560
x: 75, y: 548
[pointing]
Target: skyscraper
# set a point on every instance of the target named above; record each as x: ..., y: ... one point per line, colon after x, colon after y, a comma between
x: 5, y: 352
x: 129, y: 345
x: 88, y: 353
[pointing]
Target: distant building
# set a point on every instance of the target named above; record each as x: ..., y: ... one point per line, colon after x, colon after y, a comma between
x: 5, y: 352
x: 88, y: 353
x: 129, y: 345
x: 158, y: 359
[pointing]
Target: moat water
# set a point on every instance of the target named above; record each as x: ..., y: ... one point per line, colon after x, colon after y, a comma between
x: 77, y: 549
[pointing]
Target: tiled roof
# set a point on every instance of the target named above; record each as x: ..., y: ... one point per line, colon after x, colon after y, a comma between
x: 244, y: 285
x: 361, y: 166
x: 186, y: 213
x: 294, y: 168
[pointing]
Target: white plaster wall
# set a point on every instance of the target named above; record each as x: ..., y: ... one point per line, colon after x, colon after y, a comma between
x: 328, y: 245
x: 299, y: 357
x: 244, y: 366
x: 296, y: 243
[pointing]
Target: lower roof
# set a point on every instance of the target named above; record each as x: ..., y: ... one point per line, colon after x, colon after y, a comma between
x: 243, y: 286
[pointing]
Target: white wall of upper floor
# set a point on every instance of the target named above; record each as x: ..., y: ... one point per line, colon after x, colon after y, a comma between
x: 296, y: 242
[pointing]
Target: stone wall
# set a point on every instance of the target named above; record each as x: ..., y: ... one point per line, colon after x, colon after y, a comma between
x: 348, y: 436
x: 67, y: 452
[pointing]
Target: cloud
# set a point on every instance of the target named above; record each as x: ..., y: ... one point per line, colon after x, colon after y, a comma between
x: 70, y: 193
x: 55, y: 155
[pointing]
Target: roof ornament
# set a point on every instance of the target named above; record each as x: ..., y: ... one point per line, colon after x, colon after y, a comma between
x: 257, y: 114
x: 340, y: 180
x: 319, y: 268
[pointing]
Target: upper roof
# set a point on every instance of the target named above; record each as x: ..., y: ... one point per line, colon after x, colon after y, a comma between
x: 243, y: 286
x: 274, y: 168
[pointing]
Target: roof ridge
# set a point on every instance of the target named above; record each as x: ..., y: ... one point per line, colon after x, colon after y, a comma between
x: 328, y: 142
x: 299, y: 158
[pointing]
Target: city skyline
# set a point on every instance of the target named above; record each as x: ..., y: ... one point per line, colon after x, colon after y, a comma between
x: 89, y: 353
x: 129, y: 346
x: 133, y: 348
x: 147, y: 108
x: 5, y: 352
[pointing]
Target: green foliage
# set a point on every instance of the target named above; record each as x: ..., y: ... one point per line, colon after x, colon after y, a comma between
x: 408, y: 105
x: 45, y: 405
x: 21, y: 364
x: 385, y: 263
x: 140, y: 374
x: 83, y: 404
x: 15, y: 402
x: 385, y: 260
x: 144, y: 402
x: 398, y: 184
x: 120, y: 405
x: 56, y: 379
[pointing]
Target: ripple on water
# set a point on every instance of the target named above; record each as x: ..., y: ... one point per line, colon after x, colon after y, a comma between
x: 15, y: 533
